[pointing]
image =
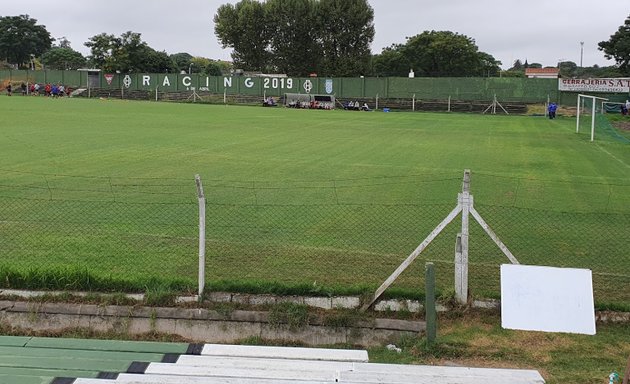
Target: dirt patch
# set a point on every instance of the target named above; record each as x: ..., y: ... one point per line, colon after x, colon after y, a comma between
x: 621, y: 125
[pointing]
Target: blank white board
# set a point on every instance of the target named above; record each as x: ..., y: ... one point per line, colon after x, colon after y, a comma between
x: 548, y: 299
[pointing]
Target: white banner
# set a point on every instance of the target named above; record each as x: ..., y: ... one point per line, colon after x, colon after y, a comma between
x: 594, y: 85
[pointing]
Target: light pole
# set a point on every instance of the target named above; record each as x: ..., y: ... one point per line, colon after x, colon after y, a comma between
x: 189, y: 68
x: 581, y: 52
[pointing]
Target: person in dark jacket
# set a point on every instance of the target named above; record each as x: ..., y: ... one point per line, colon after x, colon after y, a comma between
x: 552, y: 110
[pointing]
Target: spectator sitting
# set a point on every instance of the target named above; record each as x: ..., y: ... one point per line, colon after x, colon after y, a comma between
x: 365, y: 107
x: 269, y: 102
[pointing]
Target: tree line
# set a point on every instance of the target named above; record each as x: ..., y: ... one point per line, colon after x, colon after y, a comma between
x: 28, y: 45
x: 294, y: 37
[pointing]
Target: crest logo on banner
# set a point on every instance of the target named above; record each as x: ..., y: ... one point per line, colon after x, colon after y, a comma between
x: 308, y: 86
x: 127, y: 81
x: 109, y: 77
x: 329, y: 86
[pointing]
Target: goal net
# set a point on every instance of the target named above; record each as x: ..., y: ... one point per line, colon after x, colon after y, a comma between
x: 590, y: 110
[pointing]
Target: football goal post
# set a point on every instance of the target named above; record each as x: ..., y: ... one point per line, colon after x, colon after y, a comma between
x: 588, y: 106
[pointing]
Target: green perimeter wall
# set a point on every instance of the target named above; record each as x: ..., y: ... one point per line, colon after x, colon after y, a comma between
x: 422, y: 88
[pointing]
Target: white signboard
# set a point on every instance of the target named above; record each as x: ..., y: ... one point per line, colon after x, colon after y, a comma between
x: 594, y: 85
x: 547, y: 299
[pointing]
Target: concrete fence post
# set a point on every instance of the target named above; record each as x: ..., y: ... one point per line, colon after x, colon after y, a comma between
x: 429, y: 303
x: 202, y: 235
x: 461, y: 247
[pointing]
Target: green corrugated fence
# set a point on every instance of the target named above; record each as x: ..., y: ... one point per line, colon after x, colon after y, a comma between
x: 521, y: 90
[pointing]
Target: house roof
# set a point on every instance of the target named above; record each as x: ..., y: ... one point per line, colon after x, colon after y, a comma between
x: 539, y: 71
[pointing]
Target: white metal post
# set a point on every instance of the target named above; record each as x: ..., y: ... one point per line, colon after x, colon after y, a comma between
x: 449, y: 104
x: 547, y: 106
x: 413, y: 103
x: 376, y: 102
x: 577, y: 127
x: 461, y: 249
x: 593, y: 122
x: 202, y: 235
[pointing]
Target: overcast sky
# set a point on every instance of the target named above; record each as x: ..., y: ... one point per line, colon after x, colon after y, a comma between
x: 541, y: 31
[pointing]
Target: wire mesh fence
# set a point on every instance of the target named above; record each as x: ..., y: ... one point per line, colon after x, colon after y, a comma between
x: 333, y: 236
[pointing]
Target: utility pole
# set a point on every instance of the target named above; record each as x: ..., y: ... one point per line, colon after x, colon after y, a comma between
x: 581, y: 52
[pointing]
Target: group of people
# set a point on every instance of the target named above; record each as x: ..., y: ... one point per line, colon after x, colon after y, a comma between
x: 50, y: 90
x: 313, y: 104
x: 625, y: 107
x: 355, y: 106
x: 269, y: 102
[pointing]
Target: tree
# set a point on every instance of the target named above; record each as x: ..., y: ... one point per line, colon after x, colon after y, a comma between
x: 298, y: 37
x: 294, y: 46
x: 158, y: 62
x: 62, y: 42
x: 244, y: 28
x: 436, y: 53
x: 181, y: 61
x: 213, y: 69
x: 346, y: 30
x: 391, y: 62
x: 568, y: 69
x: 517, y: 66
x: 199, y: 64
x: 21, y: 37
x: 490, y: 66
x: 63, y: 59
x: 127, y: 53
x: 618, y: 47
x: 103, y: 47
x: 443, y: 53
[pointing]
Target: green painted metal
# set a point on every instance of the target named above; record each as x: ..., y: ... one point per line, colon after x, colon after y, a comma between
x: 62, y: 362
x: 39, y: 372
x: 14, y: 379
x: 7, y: 353
x: 107, y: 345
x: 14, y: 341
x: 38, y: 360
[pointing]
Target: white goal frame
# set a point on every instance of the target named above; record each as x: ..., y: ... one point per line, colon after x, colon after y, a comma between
x: 579, y: 104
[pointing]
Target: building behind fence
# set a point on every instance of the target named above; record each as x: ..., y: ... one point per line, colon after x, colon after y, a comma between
x: 388, y: 89
x: 323, y: 237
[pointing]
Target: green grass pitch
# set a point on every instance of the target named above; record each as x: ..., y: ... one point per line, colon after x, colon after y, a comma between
x: 334, y: 198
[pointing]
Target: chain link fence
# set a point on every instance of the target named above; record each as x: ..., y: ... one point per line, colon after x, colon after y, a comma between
x: 322, y: 237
